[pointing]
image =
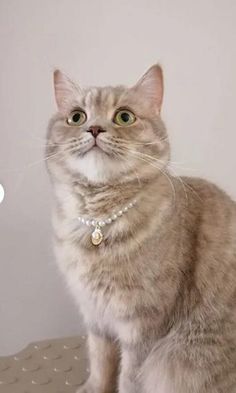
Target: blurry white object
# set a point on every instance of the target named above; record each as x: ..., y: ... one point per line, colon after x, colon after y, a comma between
x: 2, y: 193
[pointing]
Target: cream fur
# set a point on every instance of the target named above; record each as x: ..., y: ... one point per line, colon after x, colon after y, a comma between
x: 158, y: 295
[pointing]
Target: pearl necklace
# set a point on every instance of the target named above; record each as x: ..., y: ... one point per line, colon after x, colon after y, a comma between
x: 97, y: 235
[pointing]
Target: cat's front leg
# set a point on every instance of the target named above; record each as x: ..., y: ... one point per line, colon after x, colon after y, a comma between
x: 104, y: 362
x: 130, y: 366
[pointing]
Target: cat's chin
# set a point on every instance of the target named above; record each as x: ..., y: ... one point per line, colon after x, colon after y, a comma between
x: 95, y: 165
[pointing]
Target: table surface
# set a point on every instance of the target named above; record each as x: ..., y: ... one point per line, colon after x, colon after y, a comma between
x: 50, y: 366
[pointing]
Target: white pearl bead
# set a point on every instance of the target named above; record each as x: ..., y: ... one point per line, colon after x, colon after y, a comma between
x: 109, y: 220
x: 101, y: 223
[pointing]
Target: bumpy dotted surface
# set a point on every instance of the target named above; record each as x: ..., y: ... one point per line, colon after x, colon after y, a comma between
x: 52, y: 366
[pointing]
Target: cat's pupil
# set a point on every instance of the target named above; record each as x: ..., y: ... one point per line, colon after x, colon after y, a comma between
x: 76, y: 117
x: 125, y: 117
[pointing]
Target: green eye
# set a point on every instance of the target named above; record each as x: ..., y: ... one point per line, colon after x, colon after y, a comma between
x: 124, y: 117
x: 76, y: 118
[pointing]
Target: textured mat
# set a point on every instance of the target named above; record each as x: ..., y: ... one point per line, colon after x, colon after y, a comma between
x: 51, y: 366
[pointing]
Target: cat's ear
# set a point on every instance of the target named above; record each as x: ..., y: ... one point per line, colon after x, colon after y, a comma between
x: 65, y: 91
x: 151, y: 86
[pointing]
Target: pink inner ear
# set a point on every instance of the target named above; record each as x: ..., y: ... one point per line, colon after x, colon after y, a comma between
x: 151, y: 86
x: 65, y: 91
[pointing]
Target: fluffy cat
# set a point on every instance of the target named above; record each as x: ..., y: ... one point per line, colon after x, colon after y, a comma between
x: 158, y: 293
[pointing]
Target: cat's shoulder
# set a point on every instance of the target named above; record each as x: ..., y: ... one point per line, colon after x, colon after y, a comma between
x: 208, y: 196
x: 206, y: 187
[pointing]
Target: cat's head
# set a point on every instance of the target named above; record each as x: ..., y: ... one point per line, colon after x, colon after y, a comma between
x: 107, y: 134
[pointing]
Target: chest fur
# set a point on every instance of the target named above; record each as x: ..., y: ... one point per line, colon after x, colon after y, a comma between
x: 107, y: 285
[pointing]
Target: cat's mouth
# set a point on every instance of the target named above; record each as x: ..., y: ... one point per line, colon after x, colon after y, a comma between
x: 91, y: 146
x: 95, y: 145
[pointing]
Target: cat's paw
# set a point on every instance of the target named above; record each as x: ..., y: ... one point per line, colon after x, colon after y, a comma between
x: 86, y: 388
x: 89, y: 388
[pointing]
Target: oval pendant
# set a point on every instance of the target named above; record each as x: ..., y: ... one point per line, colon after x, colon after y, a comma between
x: 97, y: 236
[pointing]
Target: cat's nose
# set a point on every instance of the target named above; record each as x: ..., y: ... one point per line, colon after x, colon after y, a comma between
x: 95, y: 130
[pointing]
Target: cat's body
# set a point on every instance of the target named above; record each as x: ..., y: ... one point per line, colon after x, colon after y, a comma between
x: 158, y: 294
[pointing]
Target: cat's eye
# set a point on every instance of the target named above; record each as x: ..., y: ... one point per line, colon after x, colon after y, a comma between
x: 77, y: 118
x: 124, y: 117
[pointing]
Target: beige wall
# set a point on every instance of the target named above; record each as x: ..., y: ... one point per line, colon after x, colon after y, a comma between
x: 99, y: 42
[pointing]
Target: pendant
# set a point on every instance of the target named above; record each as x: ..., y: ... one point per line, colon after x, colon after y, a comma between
x: 97, y: 236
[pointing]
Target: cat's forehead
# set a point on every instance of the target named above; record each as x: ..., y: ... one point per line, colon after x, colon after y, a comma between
x: 100, y: 98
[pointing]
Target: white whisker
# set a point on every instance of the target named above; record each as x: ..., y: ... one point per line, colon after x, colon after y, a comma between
x: 137, y: 154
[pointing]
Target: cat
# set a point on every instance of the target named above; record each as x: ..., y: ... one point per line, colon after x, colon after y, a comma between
x: 149, y: 257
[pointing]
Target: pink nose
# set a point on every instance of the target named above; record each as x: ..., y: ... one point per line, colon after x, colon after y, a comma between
x: 95, y: 130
